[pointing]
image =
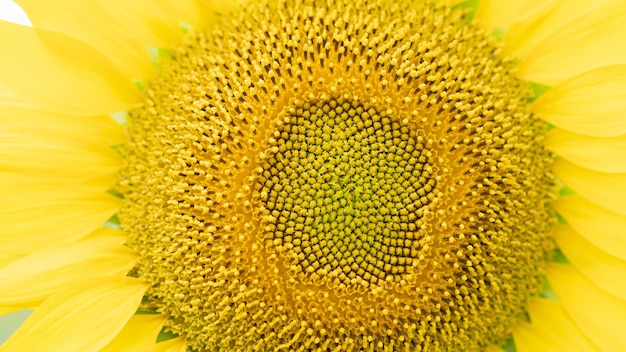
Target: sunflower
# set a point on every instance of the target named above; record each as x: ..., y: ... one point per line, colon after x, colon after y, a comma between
x: 302, y: 175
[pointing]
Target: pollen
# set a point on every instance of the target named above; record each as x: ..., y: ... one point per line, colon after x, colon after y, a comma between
x: 338, y: 176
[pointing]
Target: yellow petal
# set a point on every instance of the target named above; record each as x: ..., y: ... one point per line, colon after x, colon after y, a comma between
x: 54, y: 72
x: 24, y: 178
x: 600, y: 315
x: 522, y: 37
x: 118, y: 29
x: 163, y: 17
x: 40, y: 215
x: 599, y: 154
x: 551, y: 329
x: 592, y: 41
x: 603, y: 189
x: 101, y: 130
x: 82, y: 318
x: 210, y: 11
x: 58, y: 147
x: 501, y: 14
x: 8, y: 98
x: 139, y: 334
x: 605, y: 270
x: 6, y: 258
x: 221, y: 7
x: 591, y: 104
x: 599, y: 226
x: 178, y: 344
x: 28, y: 281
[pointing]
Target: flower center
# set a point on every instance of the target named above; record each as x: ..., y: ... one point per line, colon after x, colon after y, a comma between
x: 347, y: 176
x: 344, y: 192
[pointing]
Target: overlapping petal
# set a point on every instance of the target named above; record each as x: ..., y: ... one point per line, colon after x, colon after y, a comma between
x: 502, y: 14
x: 591, y: 103
x: 178, y: 344
x: 594, y: 153
x: 592, y: 41
x: 603, y: 189
x: 43, y: 214
x: 42, y: 145
x: 125, y: 30
x: 139, y: 334
x: 522, y: 37
x: 599, y: 314
x: 550, y: 329
x: 84, y: 317
x: 601, y: 227
x: 51, y: 71
x: 600, y: 267
x: 28, y: 281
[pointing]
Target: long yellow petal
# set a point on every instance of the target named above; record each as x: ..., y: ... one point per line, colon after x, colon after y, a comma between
x: 604, y: 189
x: 139, y: 334
x: 25, y: 178
x: 602, y: 228
x: 178, y: 344
x: 54, y: 72
x: 591, y: 104
x: 28, y: 281
x: 7, y: 97
x: 36, y: 216
x: 605, y: 270
x: 502, y: 14
x: 56, y: 147
x: 599, y: 314
x: 119, y: 29
x: 551, y: 329
x: 6, y: 258
x: 599, y: 154
x: 213, y: 8
x: 82, y: 318
x: 100, y: 130
x: 522, y: 37
x: 592, y: 41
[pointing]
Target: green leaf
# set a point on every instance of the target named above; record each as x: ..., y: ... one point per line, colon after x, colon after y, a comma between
x: 559, y: 257
x: 165, y: 335
x: 186, y: 27
x: 547, y: 292
x: 470, y: 6
x: 113, y: 223
x: 538, y: 90
x: 120, y: 117
x: 509, y: 345
x: 115, y: 193
x: 158, y: 54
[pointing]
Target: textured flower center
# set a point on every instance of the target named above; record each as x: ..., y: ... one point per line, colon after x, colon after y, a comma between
x: 344, y: 192
x: 338, y: 177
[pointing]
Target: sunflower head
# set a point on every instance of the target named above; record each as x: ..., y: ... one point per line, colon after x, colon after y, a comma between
x: 339, y: 176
